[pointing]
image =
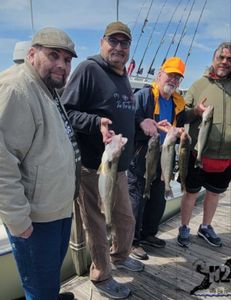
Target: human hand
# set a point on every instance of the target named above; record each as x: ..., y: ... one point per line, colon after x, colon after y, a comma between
x: 149, y: 127
x: 27, y: 233
x: 106, y: 133
x: 180, y: 131
x: 200, y: 107
x: 164, y: 126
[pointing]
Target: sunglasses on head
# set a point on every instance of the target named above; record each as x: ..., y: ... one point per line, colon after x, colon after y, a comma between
x: 113, y: 42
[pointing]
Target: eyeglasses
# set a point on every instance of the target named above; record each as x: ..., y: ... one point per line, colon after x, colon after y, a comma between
x: 113, y: 42
x: 173, y: 76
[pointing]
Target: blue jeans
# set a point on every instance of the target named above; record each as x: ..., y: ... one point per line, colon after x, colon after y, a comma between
x: 39, y: 258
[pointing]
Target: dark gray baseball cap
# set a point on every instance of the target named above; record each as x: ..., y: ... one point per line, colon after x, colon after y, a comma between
x: 54, y: 38
x: 118, y: 27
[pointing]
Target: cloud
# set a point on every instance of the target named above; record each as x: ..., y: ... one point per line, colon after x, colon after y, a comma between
x: 86, y: 20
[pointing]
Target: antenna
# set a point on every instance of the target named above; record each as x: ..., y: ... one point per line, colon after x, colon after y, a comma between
x: 32, y: 18
x: 117, y: 10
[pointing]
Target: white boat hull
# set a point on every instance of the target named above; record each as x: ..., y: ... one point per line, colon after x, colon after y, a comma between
x: 10, y: 285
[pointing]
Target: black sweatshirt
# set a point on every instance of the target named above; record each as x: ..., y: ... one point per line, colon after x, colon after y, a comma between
x: 94, y: 91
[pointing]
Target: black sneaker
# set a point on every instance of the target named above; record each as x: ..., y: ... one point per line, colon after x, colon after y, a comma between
x: 183, y: 238
x: 66, y: 296
x: 153, y: 241
x: 210, y: 236
x: 139, y: 253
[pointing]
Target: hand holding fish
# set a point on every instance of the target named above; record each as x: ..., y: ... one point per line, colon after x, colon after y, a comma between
x: 149, y: 127
x: 200, y: 107
x: 106, y: 133
x: 164, y: 126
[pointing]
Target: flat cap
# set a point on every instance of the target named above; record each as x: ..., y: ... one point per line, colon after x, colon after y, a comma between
x: 54, y: 38
x: 117, y: 27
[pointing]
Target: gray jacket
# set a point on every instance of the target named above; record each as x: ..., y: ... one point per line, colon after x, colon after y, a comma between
x: 37, y: 167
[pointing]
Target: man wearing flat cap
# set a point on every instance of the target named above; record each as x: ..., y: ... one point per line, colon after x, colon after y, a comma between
x: 99, y: 101
x: 39, y: 163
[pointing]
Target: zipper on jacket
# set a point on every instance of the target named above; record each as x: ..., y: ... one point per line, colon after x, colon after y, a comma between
x: 224, y: 119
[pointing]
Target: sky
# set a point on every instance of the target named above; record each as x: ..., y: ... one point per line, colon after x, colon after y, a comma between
x: 85, y: 22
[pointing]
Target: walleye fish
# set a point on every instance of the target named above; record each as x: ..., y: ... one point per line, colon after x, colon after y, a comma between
x: 204, y: 131
x: 108, y: 175
x: 184, y: 151
x: 152, y: 160
x: 168, y: 158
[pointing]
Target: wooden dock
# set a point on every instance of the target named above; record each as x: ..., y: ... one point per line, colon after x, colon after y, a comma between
x: 170, y: 273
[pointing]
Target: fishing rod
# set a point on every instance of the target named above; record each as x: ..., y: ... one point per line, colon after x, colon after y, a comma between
x: 142, y: 30
x: 140, y: 70
x: 183, y: 31
x: 190, y: 48
x: 151, y: 70
x: 174, y: 35
x: 136, y: 21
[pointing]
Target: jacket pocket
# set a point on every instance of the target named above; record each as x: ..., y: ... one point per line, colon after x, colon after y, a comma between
x: 54, y: 186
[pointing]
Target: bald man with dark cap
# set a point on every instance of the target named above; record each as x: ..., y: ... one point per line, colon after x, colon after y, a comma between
x: 40, y: 161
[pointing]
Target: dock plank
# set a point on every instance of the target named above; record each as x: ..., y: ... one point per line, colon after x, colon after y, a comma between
x: 170, y: 273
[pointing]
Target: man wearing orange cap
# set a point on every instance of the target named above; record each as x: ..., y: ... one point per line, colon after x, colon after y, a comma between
x: 157, y: 106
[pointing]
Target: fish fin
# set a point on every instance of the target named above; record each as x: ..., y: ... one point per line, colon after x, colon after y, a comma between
x: 103, y: 168
x: 168, y: 194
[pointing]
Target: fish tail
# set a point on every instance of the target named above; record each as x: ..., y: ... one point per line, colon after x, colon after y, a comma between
x: 197, y: 163
x: 182, y: 187
x: 109, y: 232
x: 146, y: 195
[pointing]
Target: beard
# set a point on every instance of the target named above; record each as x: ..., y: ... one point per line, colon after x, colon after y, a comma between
x: 222, y: 73
x: 169, y: 89
x: 54, y: 83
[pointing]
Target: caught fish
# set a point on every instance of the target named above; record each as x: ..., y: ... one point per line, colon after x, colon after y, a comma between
x: 168, y: 158
x: 152, y: 160
x: 108, y: 175
x: 204, y: 131
x: 184, y: 151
